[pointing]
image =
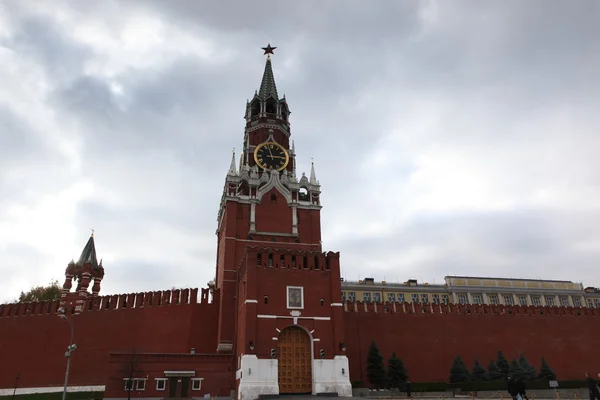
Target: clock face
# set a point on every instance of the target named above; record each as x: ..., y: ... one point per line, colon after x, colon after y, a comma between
x: 271, y: 155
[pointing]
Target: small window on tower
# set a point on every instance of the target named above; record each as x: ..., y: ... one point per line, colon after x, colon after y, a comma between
x: 266, y: 299
x: 258, y: 259
x: 255, y: 109
x: 271, y: 106
x: 303, y: 194
x: 273, y: 198
x: 270, y: 260
x: 322, y: 302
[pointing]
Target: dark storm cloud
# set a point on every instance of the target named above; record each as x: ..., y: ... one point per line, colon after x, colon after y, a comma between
x: 479, y: 244
x: 508, y: 90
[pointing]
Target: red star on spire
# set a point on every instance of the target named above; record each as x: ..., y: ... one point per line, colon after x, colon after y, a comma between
x: 268, y: 49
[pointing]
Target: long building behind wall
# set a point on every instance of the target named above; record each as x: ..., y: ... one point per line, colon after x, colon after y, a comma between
x: 278, y: 319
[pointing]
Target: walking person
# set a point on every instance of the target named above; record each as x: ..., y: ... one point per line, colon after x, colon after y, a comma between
x: 522, y: 389
x: 593, y: 387
x: 408, y: 387
x: 513, y: 390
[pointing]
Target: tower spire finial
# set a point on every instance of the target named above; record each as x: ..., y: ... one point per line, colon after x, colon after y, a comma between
x: 268, y: 51
x: 313, y: 175
x: 267, y: 86
x: 232, y: 168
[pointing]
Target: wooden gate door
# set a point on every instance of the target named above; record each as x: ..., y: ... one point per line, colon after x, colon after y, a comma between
x: 295, y: 361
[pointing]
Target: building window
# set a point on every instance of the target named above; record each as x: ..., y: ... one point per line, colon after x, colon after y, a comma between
x: 343, y: 297
x: 550, y: 301
x: 536, y: 300
x: 590, y: 303
x: 597, y: 303
x: 161, y: 383
x: 391, y: 297
x: 564, y: 301
x: 477, y: 299
x: 401, y: 298
x: 436, y: 299
x: 508, y: 299
x: 352, y: 297
x: 415, y: 298
x: 523, y: 300
x: 445, y: 299
x: 196, y: 383
x: 577, y: 301
x: 135, y: 384
x: 377, y: 297
x: 425, y: 298
x: 367, y: 297
x: 494, y: 299
x: 462, y: 299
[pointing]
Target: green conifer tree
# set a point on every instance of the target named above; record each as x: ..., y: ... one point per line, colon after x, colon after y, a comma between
x: 459, y: 371
x: 516, y: 372
x: 478, y: 373
x: 546, y: 372
x: 397, y: 374
x: 503, y: 365
x: 493, y: 372
x: 375, y: 367
x: 528, y: 370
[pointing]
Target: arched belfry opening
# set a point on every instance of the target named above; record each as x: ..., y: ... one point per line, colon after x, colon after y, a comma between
x: 294, y: 353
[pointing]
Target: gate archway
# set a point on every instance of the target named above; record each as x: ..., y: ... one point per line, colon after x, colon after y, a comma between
x: 294, y: 353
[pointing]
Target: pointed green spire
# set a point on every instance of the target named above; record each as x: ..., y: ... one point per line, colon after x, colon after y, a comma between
x: 88, y: 255
x: 267, y: 86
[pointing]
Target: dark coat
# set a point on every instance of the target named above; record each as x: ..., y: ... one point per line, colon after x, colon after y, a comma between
x: 513, y: 389
x: 592, y: 385
x: 521, y: 387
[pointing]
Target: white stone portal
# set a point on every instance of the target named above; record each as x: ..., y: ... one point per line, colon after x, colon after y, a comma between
x: 256, y: 376
x: 259, y: 376
x: 332, y: 376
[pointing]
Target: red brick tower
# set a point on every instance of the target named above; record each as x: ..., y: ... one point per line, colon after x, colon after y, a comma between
x: 279, y: 294
x: 83, y: 271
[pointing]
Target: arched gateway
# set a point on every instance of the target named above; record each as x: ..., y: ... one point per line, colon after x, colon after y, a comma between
x: 294, y: 352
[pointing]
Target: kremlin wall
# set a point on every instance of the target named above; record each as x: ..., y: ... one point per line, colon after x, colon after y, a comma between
x: 172, y: 323
x: 278, y: 319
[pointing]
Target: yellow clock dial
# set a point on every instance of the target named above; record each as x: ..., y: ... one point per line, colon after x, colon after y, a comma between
x: 271, y: 155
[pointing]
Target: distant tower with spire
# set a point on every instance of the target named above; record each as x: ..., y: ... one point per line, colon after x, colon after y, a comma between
x: 84, y: 271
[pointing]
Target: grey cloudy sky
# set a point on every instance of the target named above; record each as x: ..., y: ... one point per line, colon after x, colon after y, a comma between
x: 450, y: 138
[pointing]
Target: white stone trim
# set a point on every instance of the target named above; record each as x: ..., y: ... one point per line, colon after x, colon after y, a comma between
x: 337, y: 305
x: 265, y: 316
x: 54, y: 389
x: 164, y: 380
x: 197, y: 380
x: 180, y: 373
x: 250, y: 301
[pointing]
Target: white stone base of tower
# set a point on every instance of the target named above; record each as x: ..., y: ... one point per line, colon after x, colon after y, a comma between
x: 256, y: 376
x: 260, y: 376
x: 332, y: 376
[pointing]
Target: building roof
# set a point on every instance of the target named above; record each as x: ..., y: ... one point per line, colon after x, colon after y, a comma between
x: 267, y: 86
x: 88, y: 255
x: 504, y: 279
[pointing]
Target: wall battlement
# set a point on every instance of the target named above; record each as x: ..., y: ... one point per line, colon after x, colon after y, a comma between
x: 406, y: 308
x: 290, y: 259
x: 110, y: 302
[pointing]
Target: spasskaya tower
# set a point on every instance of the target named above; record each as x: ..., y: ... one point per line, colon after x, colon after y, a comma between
x: 279, y: 294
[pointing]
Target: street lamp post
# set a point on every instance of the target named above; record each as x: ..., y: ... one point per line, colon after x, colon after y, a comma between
x: 72, y: 346
x: 16, y: 385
